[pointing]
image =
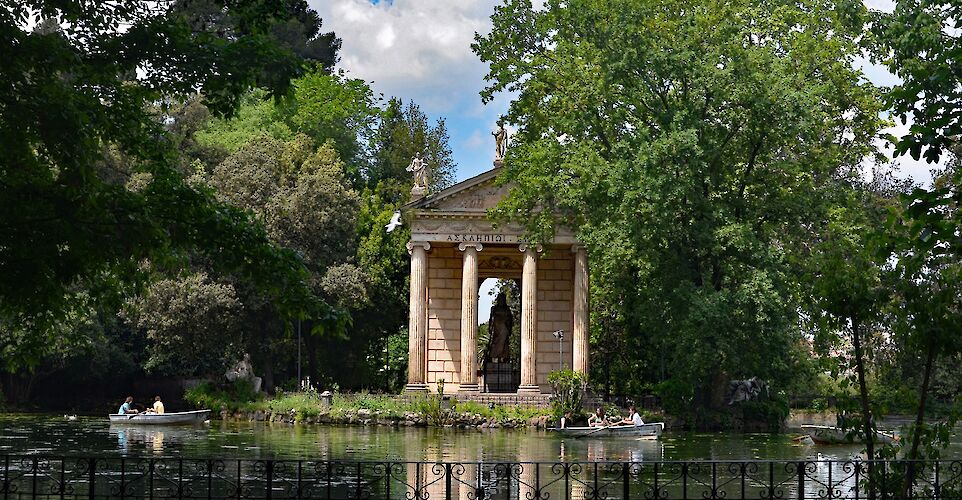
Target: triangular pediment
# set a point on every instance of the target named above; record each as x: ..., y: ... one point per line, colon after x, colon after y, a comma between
x: 477, y: 194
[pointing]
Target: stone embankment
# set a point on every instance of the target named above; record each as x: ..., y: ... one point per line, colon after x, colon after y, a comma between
x: 409, y: 419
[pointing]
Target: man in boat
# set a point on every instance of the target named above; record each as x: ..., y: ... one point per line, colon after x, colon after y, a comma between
x: 598, y: 418
x: 158, y: 406
x: 127, y: 408
x: 633, y: 418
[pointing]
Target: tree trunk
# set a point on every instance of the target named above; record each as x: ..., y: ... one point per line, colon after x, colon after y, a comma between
x: 867, y: 426
x: 919, y: 419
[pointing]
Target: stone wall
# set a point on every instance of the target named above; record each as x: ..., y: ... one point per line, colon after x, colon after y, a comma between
x: 555, y: 303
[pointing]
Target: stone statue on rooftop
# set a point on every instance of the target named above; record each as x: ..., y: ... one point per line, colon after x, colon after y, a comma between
x: 500, y: 141
x: 420, y: 169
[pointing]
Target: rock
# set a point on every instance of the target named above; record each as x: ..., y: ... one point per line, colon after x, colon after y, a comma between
x: 363, y: 413
x: 259, y: 416
x: 494, y: 425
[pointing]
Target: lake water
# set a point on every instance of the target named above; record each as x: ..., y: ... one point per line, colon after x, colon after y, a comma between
x: 95, y: 436
x: 143, y: 461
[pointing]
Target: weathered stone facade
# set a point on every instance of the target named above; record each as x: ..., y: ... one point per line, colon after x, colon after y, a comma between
x: 454, y: 247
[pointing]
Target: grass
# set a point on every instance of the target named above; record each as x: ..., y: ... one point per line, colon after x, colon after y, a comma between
x: 308, y: 405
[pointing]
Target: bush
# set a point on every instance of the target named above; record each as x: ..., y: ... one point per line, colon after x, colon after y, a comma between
x: 569, y: 390
x: 238, y: 395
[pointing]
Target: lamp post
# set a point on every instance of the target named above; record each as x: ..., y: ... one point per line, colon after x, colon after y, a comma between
x: 299, y: 354
x: 560, y: 335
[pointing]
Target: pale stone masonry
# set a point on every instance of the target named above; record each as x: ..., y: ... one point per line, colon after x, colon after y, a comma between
x: 454, y: 247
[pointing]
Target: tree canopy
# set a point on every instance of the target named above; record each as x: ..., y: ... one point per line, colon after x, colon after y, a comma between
x: 692, y: 145
x: 77, y: 85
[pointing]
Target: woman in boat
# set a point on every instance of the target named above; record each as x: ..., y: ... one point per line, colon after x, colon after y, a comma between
x: 565, y: 420
x: 126, y: 408
x: 598, y: 418
x: 158, y: 406
x: 633, y: 418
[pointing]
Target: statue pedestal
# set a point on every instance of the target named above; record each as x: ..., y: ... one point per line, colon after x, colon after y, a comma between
x: 502, y: 377
x: 418, y: 192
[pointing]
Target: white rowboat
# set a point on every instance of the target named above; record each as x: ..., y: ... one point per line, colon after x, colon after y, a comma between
x: 826, y: 434
x: 647, y: 430
x: 183, y: 417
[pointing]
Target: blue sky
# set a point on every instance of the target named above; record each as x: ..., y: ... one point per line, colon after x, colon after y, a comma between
x: 420, y: 50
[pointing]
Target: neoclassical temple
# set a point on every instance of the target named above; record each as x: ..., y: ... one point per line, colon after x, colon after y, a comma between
x: 454, y: 247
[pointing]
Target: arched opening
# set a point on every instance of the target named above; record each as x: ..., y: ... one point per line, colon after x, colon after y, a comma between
x: 499, y: 334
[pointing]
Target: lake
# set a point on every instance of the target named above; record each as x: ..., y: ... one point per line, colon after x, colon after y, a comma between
x: 146, y: 461
x: 45, y: 434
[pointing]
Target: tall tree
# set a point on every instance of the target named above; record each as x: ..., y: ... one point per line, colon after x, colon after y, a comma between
x: 75, y: 83
x: 691, y: 144
x: 404, y: 131
x: 919, y: 43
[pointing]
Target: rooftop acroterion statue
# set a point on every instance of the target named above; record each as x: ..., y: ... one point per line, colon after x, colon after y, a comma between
x: 500, y: 141
x: 421, y: 176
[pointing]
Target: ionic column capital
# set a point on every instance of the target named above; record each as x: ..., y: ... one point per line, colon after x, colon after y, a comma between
x: 524, y: 247
x: 464, y: 246
x: 424, y: 244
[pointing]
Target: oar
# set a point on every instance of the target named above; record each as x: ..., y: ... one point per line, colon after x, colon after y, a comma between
x: 594, y: 431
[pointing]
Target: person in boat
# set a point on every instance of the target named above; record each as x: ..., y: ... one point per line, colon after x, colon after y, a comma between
x: 158, y: 406
x: 127, y: 408
x: 565, y: 420
x: 633, y: 418
x: 598, y: 418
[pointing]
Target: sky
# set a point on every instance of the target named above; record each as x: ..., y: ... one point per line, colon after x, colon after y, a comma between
x: 421, y: 50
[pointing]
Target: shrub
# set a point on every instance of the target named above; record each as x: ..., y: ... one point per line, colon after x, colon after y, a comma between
x: 569, y: 390
x: 238, y: 395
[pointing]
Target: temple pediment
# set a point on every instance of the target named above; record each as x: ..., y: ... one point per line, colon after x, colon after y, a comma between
x: 459, y: 214
x: 477, y: 194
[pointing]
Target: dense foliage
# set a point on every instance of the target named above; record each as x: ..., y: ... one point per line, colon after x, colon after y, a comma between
x: 692, y: 145
x: 187, y: 182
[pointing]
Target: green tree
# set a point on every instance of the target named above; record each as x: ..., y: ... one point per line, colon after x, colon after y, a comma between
x: 189, y: 321
x: 301, y: 194
x: 919, y: 43
x: 691, y: 145
x: 402, y: 132
x: 76, y: 88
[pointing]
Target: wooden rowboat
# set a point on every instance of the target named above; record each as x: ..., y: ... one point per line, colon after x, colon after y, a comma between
x: 183, y: 417
x: 826, y: 434
x: 652, y: 431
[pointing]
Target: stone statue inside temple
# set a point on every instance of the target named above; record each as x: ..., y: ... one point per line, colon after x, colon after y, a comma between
x: 500, y: 326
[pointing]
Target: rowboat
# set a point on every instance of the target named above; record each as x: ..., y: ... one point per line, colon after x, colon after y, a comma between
x: 652, y: 431
x: 826, y: 434
x: 182, y: 417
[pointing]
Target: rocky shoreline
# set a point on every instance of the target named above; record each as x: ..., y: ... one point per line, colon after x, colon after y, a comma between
x: 386, y: 419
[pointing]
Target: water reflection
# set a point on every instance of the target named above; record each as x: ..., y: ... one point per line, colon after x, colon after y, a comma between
x: 133, y: 439
x: 94, y: 436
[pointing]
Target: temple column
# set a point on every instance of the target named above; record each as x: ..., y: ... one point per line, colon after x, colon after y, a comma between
x: 579, y: 337
x: 418, y: 319
x: 469, y: 316
x: 529, y: 321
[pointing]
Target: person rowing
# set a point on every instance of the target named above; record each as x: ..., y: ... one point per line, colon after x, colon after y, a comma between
x: 127, y: 408
x: 598, y: 418
x: 633, y: 418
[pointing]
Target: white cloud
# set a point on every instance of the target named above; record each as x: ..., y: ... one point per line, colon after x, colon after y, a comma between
x: 421, y: 49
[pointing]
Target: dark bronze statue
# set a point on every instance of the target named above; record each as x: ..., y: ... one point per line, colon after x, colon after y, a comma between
x: 500, y: 326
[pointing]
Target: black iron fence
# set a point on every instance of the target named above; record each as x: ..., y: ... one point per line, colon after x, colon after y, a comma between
x: 28, y: 476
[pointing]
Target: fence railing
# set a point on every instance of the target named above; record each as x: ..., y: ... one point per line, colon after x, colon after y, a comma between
x: 29, y: 476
